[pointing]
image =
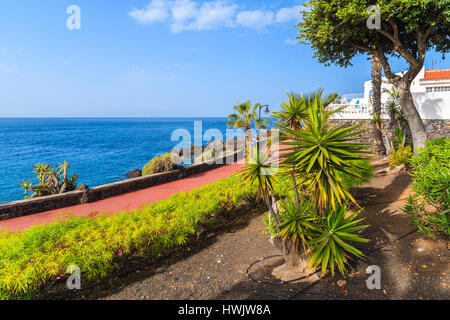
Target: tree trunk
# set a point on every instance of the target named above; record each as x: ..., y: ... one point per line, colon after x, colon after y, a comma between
x: 402, y: 84
x: 295, y: 264
x: 248, y: 137
x: 379, y: 147
x: 418, y: 132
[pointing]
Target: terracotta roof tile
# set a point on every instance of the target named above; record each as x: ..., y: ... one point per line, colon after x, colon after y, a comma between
x: 436, y: 74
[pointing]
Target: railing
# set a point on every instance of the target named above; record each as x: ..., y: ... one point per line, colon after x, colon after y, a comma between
x: 356, y: 111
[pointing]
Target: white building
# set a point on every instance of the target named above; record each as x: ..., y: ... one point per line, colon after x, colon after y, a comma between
x: 430, y: 91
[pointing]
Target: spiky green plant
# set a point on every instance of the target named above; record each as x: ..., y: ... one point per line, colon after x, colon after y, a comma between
x: 322, y: 152
x: 292, y: 113
x: 297, y: 220
x: 330, y: 245
x: 261, y: 170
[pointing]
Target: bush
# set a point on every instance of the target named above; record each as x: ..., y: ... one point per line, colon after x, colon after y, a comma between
x: 430, y: 205
x: 364, y: 168
x: 159, y: 164
x: 206, y: 156
x: 43, y: 253
x: 401, y: 156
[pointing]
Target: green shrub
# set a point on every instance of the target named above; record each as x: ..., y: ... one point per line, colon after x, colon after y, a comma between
x: 43, y: 253
x: 364, y: 169
x: 429, y: 206
x: 159, y: 164
x: 206, y: 156
x: 401, y: 156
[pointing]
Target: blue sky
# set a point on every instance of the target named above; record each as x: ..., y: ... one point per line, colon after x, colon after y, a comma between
x: 160, y: 58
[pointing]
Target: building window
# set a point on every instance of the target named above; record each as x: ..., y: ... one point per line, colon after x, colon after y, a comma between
x: 438, y: 89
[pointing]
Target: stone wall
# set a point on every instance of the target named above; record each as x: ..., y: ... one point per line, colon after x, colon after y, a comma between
x: 32, y: 206
x: 434, y: 128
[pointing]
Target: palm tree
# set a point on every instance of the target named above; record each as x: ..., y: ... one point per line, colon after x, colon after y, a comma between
x: 244, y: 117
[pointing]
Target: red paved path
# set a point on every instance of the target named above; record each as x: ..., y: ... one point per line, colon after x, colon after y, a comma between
x: 129, y: 201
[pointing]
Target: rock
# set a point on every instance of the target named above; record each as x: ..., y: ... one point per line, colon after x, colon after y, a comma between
x: 397, y: 169
x: 85, y: 196
x: 136, y: 173
x: 82, y: 187
x: 193, y: 151
x: 382, y: 171
x: 342, y: 283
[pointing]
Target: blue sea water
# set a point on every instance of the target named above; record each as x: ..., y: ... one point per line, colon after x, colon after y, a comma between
x: 100, y: 151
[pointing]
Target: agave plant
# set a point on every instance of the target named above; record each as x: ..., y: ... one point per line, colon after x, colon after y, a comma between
x: 330, y: 245
x: 321, y: 152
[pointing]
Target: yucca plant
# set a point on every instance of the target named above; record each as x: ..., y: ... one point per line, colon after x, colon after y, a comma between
x: 261, y: 170
x: 292, y: 113
x: 321, y: 152
x: 330, y: 245
x: 296, y: 222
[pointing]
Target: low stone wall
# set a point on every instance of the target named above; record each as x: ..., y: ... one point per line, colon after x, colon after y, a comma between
x: 434, y: 128
x: 32, y: 206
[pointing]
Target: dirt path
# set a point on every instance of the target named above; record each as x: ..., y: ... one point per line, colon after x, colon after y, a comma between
x: 217, y: 269
x: 128, y: 201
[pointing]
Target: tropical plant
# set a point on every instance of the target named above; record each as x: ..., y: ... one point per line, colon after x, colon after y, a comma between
x: 320, y: 155
x: 261, y: 170
x: 321, y: 152
x: 293, y: 112
x: 243, y: 118
x: 330, y: 245
x: 297, y: 220
x: 50, y: 180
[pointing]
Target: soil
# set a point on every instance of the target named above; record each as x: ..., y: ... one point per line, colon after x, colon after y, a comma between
x: 215, y: 267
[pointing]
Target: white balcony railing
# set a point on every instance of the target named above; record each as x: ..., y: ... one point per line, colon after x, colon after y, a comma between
x: 356, y: 111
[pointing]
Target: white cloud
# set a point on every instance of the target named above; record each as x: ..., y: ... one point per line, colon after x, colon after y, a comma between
x: 256, y: 19
x: 156, y: 11
x: 213, y: 15
x: 286, y: 15
x: 183, y: 10
x: 183, y: 15
x: 291, y: 42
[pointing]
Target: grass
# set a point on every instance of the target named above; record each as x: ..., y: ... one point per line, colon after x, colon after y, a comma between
x: 43, y: 253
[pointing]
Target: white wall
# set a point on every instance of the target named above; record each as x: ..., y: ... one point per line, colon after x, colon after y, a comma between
x: 431, y: 105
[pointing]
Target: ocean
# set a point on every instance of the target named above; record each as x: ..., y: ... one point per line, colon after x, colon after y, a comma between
x: 100, y: 151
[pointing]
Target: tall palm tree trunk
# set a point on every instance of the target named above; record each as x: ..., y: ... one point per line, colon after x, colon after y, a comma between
x: 379, y: 147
